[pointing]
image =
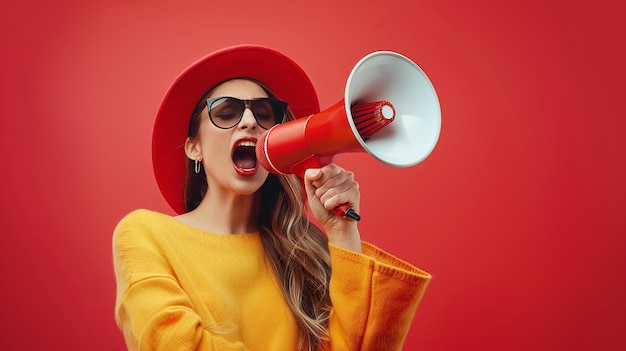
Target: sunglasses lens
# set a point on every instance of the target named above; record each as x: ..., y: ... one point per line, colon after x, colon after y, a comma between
x: 226, y: 112
x: 266, y: 112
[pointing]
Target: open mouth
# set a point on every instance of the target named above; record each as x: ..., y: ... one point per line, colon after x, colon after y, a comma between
x: 244, y: 157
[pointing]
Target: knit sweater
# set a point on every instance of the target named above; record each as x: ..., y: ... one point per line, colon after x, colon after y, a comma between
x: 181, y: 288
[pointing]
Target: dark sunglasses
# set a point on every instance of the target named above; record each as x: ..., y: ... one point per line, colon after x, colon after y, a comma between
x: 226, y: 112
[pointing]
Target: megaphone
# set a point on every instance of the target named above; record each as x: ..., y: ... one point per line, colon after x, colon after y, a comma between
x: 389, y: 85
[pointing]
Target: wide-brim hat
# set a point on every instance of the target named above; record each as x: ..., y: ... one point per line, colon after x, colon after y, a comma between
x: 286, y: 79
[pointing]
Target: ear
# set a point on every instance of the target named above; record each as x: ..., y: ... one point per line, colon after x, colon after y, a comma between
x: 192, y: 149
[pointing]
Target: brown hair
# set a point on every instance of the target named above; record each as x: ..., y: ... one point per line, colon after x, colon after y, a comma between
x: 297, y: 249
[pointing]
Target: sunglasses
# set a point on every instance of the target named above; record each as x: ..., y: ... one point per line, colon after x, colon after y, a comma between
x: 226, y: 112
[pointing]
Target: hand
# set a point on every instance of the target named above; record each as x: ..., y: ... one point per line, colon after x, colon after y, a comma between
x: 326, y: 188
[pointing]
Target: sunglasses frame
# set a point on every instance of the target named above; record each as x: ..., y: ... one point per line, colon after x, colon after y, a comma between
x: 276, y: 104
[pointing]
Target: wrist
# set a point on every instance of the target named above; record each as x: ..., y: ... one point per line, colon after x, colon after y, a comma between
x: 347, y: 238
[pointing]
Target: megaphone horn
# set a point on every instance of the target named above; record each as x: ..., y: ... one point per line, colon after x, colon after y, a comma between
x: 390, y: 109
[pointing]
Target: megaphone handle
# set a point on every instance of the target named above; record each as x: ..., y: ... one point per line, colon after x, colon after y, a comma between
x: 344, y: 210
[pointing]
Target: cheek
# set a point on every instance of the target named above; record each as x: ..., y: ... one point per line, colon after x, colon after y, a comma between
x: 215, y: 146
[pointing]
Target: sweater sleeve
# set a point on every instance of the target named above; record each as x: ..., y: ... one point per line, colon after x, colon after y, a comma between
x: 374, y: 296
x: 152, y: 310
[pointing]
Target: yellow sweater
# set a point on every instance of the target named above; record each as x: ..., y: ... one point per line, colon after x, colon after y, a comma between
x: 180, y: 288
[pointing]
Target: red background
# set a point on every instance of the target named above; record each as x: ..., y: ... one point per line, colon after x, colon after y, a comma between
x: 518, y: 212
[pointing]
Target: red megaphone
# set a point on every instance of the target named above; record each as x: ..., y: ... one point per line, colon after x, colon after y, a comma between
x: 384, y: 86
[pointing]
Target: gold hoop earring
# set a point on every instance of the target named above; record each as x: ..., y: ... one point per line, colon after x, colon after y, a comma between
x: 197, y: 166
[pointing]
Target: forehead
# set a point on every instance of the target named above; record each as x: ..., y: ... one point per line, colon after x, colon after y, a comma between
x: 239, y: 88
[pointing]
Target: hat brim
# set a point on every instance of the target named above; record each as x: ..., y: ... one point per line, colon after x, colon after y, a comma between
x: 286, y: 79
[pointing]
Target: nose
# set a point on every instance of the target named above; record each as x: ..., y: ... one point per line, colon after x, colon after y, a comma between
x: 247, y: 120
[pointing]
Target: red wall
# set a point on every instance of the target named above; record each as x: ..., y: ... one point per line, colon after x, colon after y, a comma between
x: 518, y: 212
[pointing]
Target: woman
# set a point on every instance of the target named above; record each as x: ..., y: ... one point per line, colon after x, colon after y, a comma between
x: 241, y: 267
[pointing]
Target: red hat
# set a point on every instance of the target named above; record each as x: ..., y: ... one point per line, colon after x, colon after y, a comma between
x: 276, y: 71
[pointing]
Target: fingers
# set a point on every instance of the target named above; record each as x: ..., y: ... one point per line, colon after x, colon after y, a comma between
x: 333, y: 186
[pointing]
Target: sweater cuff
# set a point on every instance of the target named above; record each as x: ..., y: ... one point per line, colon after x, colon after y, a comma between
x: 381, y: 262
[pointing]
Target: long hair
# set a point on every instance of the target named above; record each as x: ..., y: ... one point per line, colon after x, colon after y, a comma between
x: 297, y: 249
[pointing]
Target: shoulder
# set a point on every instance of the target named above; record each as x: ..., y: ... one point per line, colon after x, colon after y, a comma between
x: 140, y: 223
x: 140, y: 245
x: 143, y: 216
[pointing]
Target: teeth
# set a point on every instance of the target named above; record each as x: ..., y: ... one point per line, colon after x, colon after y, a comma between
x: 247, y: 143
